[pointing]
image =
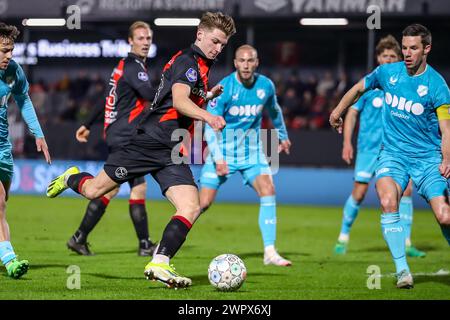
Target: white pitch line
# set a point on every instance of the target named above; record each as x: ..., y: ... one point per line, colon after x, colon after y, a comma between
x: 439, y: 273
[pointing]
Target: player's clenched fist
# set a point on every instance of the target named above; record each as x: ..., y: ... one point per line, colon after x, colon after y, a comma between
x: 216, y: 122
x: 82, y: 134
x: 336, y: 122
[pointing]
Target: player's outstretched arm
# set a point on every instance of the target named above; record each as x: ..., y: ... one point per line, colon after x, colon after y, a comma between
x: 347, y: 100
x: 41, y: 146
x: 349, y: 126
x: 29, y: 115
x: 183, y: 104
x: 444, y: 168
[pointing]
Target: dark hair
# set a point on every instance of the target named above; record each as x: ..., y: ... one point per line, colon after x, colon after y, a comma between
x: 218, y: 20
x: 388, y: 43
x: 8, y: 31
x: 415, y: 30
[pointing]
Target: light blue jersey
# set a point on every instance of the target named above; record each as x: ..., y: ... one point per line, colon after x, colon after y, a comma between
x: 409, y: 116
x: 13, y: 82
x: 242, y: 109
x: 370, y: 126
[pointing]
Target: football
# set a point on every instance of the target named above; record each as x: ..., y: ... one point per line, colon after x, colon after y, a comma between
x: 227, y: 272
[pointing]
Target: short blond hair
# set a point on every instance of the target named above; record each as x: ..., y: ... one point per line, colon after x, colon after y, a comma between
x: 389, y: 43
x: 223, y: 22
x: 137, y: 25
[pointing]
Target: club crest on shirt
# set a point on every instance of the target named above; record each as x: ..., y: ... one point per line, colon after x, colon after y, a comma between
x: 393, y: 80
x: 191, y: 75
x: 422, y: 90
x: 260, y: 93
x: 143, y: 76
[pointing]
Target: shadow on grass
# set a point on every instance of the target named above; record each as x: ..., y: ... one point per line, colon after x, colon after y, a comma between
x: 286, y: 255
x: 46, y: 266
x: 443, y: 279
x: 426, y: 248
x: 108, y: 276
x: 101, y: 253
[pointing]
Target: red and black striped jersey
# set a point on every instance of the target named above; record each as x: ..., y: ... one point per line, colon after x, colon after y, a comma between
x: 191, y: 67
x: 129, y: 91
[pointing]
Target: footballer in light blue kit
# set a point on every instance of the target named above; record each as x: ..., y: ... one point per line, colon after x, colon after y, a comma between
x: 416, y: 139
x: 13, y: 82
x: 238, y: 147
x: 369, y: 107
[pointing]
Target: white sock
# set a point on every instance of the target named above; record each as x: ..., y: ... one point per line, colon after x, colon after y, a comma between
x: 343, y: 237
x: 160, y: 258
x: 408, y: 242
x: 270, y: 250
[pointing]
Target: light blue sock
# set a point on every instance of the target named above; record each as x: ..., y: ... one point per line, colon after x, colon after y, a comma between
x: 268, y: 220
x: 351, y: 209
x: 394, y: 234
x: 6, y: 252
x: 406, y: 215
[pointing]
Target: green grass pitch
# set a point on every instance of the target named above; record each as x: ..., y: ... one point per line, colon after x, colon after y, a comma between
x: 40, y: 228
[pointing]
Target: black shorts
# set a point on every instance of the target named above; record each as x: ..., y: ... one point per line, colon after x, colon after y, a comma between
x: 136, y: 181
x: 134, y: 160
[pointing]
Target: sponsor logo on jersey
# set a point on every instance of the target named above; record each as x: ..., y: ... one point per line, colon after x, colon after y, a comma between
x: 143, y: 76
x: 235, y: 97
x: 402, y: 104
x: 191, y: 75
x: 199, y: 92
x: 260, y: 93
x: 247, y: 110
x: 422, y: 90
x: 377, y: 102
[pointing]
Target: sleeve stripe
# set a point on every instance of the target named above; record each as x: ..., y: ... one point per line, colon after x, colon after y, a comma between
x: 443, y: 112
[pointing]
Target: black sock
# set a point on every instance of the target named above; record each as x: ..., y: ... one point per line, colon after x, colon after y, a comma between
x: 174, y: 235
x: 138, y: 215
x: 94, y: 212
x: 75, y: 181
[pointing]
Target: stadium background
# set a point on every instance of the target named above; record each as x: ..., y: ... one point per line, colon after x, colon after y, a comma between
x: 311, y: 66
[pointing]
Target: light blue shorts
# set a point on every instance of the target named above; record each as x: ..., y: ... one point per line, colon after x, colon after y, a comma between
x: 6, y: 166
x: 424, y: 172
x: 365, y: 166
x: 210, y: 179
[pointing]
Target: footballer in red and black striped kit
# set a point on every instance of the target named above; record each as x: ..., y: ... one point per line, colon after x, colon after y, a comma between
x: 190, y: 67
x: 179, y: 101
x: 128, y: 92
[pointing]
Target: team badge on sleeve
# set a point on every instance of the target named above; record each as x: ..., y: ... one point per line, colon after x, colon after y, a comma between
x: 191, y: 75
x: 213, y: 103
x: 143, y: 76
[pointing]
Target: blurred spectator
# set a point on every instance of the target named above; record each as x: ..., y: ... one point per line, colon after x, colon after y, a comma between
x: 326, y: 84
